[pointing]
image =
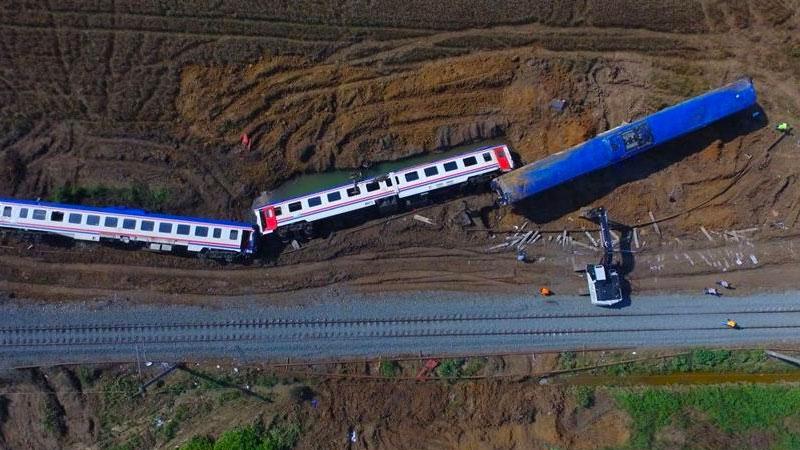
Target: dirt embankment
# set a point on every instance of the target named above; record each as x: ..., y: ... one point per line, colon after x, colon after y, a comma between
x: 162, y: 95
x: 94, y: 408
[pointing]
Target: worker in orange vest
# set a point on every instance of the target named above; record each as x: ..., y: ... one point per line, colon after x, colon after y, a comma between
x: 545, y: 292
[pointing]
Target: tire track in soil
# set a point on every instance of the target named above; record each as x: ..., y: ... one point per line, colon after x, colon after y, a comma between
x: 206, y: 35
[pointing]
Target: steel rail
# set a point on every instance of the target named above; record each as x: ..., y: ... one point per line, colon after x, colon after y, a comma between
x: 343, y: 334
x: 267, y: 323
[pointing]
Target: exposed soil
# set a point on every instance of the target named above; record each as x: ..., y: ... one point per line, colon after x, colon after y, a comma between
x: 120, y: 95
x: 91, y: 408
x: 493, y: 402
x: 123, y: 94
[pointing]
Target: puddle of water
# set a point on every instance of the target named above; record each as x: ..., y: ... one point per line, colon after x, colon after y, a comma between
x: 314, y: 182
x: 678, y: 378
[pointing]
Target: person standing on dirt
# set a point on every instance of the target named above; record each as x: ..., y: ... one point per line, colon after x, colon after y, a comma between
x: 784, y: 127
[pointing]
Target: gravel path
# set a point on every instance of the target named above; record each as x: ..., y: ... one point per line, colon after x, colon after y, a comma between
x: 339, y: 325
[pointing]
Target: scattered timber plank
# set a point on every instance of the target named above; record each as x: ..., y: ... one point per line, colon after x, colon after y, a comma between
x: 423, y: 219
x: 591, y: 238
x: 655, y: 223
x: 703, y: 229
x: 732, y: 234
x: 581, y: 244
x: 495, y: 247
x: 523, y: 239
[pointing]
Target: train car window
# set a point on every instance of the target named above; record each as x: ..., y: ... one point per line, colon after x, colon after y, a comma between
x: 314, y: 201
x: 411, y: 176
x: 110, y: 222
x: 164, y: 227
x: 450, y: 166
x: 296, y: 206
x: 129, y: 224
x: 431, y: 171
x: 388, y: 182
x: 23, y: 213
x: 39, y: 214
x: 217, y: 233
x: 147, y: 225
x: 234, y: 235
x: 201, y: 231
x: 334, y: 196
x: 7, y: 211
x: 471, y: 161
x: 57, y: 216
x: 278, y: 211
x: 487, y: 156
x: 353, y: 191
x: 75, y: 218
x: 91, y: 219
x: 183, y: 229
x: 372, y: 186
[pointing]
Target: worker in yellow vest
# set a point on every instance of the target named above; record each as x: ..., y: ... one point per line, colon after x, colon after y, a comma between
x: 784, y: 127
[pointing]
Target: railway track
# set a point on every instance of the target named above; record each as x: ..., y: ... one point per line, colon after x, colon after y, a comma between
x: 261, y: 323
x: 385, y: 325
x: 288, y: 329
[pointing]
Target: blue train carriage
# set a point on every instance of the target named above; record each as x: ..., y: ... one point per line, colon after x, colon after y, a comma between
x: 625, y: 141
x: 204, y: 237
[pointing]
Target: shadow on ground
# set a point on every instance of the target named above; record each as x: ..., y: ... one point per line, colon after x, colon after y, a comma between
x: 584, y: 190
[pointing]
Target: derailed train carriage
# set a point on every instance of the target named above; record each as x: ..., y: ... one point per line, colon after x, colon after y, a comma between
x: 288, y: 216
x: 297, y: 214
x: 220, y: 239
x: 625, y: 141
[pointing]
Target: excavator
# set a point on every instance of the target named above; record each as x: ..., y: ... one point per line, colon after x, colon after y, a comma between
x: 605, y: 288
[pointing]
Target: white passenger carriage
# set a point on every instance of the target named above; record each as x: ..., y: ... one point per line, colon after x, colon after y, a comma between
x: 277, y: 213
x: 216, y: 238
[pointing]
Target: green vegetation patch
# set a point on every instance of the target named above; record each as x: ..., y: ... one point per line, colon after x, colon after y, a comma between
x: 199, y: 443
x: 584, y: 396
x: 389, y: 369
x: 735, y: 409
x: 701, y: 360
x: 255, y: 437
x: 450, y: 368
x: 473, y: 366
x: 117, y: 402
x: 575, y: 360
x: 137, y: 196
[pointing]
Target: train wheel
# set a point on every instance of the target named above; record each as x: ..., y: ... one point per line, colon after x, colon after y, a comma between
x: 308, y: 230
x: 284, y: 235
x: 388, y: 206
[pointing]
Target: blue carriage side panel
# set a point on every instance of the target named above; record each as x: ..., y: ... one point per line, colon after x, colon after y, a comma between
x: 625, y: 141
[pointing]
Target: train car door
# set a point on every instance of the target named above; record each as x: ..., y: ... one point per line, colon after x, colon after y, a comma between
x: 268, y: 216
x: 247, y: 244
x: 502, y: 159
